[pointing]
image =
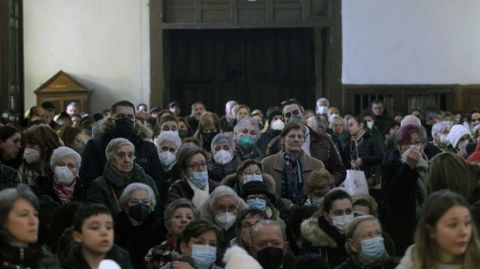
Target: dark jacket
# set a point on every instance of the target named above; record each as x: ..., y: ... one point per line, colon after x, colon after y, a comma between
x: 34, y: 257
x: 403, y: 193
x: 351, y: 264
x: 181, y: 189
x: 322, y: 238
x: 8, y: 177
x: 137, y: 240
x: 382, y: 122
x: 94, y: 159
x: 251, y: 153
x: 370, y: 150
x: 75, y: 260
x: 218, y: 171
x: 227, y: 126
x: 265, y: 138
x: 100, y: 190
x: 323, y: 148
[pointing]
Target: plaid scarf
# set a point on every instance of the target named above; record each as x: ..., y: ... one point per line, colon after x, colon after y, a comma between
x: 292, y: 178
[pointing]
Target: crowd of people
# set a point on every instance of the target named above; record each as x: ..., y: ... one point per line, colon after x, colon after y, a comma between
x: 149, y: 188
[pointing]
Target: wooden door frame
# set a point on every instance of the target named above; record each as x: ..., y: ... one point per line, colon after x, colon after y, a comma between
x: 327, y: 84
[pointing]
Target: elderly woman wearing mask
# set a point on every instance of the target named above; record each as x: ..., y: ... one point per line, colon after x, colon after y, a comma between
x: 222, y: 208
x: 19, y: 231
x: 459, y: 137
x: 65, y: 164
x: 120, y: 170
x: 224, y: 160
x: 246, y: 133
x: 168, y: 143
x: 404, y: 185
x: 136, y: 229
x: 291, y: 166
x: 177, y: 215
x: 194, y: 183
x: 440, y: 132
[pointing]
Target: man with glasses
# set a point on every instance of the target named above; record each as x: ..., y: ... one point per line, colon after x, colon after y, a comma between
x: 319, y: 146
x: 121, y: 124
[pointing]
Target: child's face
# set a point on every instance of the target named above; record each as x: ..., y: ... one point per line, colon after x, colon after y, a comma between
x: 96, y: 234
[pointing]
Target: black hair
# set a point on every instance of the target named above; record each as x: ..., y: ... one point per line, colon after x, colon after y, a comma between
x: 122, y: 103
x: 332, y: 196
x: 86, y: 211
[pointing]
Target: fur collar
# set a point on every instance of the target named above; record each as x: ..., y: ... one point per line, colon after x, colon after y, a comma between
x: 312, y: 232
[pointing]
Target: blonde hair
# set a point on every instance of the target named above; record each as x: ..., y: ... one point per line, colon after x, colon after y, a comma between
x: 319, y: 177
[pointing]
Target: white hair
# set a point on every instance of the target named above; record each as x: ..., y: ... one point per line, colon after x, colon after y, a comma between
x: 247, y: 121
x: 61, y: 152
x: 125, y: 196
x: 114, y: 145
x: 168, y: 136
x: 440, y: 126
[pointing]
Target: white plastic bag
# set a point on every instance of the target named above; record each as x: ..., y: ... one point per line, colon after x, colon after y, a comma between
x: 355, y: 182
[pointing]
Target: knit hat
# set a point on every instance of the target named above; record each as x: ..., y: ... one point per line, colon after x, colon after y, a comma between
x: 256, y: 187
x: 237, y: 258
x: 456, y: 133
x: 273, y: 113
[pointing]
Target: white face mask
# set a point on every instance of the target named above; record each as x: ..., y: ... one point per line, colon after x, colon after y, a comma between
x: 225, y: 220
x: 64, y: 175
x: 341, y: 222
x: 31, y: 155
x: 166, y: 158
x: 222, y: 156
x: 370, y: 124
x: 322, y: 110
x: 277, y: 125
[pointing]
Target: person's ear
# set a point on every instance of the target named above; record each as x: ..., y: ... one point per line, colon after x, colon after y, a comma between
x: 184, y: 248
x: 326, y: 216
x: 77, y: 237
x: 353, y: 246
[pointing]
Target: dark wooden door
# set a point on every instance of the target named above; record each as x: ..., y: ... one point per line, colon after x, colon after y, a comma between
x: 11, y: 57
x: 258, y: 67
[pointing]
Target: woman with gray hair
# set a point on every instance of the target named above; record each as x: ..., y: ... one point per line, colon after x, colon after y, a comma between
x: 177, y: 215
x: 120, y: 170
x: 246, y: 133
x: 224, y: 160
x: 168, y: 143
x: 65, y: 164
x: 365, y: 244
x: 19, y: 227
x: 136, y: 228
x: 222, y: 208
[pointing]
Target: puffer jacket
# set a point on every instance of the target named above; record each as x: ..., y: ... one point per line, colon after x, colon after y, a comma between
x: 370, y: 150
x: 33, y: 257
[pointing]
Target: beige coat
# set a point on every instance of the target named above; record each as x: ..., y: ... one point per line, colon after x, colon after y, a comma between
x: 274, y: 165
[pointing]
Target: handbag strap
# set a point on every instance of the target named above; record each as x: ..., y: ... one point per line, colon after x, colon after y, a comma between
x: 114, y: 196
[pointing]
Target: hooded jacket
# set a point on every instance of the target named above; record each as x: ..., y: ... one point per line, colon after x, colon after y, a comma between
x: 322, y: 238
x: 94, y: 159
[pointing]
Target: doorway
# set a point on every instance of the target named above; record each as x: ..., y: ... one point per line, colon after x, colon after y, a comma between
x: 257, y: 67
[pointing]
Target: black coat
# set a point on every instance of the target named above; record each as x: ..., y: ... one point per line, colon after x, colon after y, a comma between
x: 34, y: 257
x: 75, y: 260
x: 218, y: 171
x: 265, y: 138
x: 402, y: 195
x: 137, y: 240
x: 8, y: 177
x: 370, y: 150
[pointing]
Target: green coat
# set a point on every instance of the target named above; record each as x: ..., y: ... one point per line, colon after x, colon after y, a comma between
x: 100, y: 190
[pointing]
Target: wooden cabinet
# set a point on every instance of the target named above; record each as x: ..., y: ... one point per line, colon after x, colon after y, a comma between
x: 61, y: 89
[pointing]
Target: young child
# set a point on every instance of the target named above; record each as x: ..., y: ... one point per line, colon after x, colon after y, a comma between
x: 93, y: 240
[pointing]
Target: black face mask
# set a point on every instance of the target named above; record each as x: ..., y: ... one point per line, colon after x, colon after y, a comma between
x: 183, y: 133
x: 139, y: 212
x: 124, y: 128
x: 207, y: 137
x: 270, y: 258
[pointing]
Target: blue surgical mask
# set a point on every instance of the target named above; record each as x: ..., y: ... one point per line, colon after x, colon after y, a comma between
x: 257, y: 203
x: 204, y: 255
x: 252, y: 177
x: 246, y: 141
x: 199, y: 179
x: 372, y: 249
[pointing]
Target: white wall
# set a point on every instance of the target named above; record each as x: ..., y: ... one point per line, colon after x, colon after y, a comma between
x: 411, y: 41
x: 104, y: 44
